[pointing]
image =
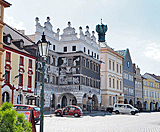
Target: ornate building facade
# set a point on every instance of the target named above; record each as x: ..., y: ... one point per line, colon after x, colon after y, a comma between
x: 18, y: 67
x: 72, y: 71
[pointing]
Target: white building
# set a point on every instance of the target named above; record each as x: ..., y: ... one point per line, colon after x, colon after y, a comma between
x: 72, y: 69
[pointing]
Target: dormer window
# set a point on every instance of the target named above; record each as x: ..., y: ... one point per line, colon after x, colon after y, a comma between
x: 8, y: 40
x: 21, y: 44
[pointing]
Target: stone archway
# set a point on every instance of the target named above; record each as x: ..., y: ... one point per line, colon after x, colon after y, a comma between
x: 67, y: 99
x: 131, y: 102
x: 139, y: 105
x: 125, y: 101
x: 5, y: 97
x: 151, y: 106
x: 156, y: 106
x: 145, y: 105
x: 64, y: 101
x: 94, y: 103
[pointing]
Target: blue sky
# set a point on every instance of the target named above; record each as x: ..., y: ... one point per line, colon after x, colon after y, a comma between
x: 132, y: 24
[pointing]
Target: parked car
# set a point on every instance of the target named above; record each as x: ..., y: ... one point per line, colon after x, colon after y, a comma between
x: 36, y: 110
x: 69, y: 111
x: 109, y: 109
x: 124, y: 108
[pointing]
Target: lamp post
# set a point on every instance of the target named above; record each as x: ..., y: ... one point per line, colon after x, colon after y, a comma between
x: 43, y: 47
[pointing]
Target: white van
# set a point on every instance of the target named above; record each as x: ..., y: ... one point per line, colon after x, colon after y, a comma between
x: 124, y: 108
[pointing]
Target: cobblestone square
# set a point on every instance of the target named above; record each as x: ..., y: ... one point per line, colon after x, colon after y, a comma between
x: 142, y: 122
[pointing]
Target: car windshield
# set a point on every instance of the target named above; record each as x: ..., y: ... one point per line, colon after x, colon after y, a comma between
x: 79, y: 108
x: 36, y: 108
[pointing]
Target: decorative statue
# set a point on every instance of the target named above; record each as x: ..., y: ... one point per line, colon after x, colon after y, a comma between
x: 101, y: 30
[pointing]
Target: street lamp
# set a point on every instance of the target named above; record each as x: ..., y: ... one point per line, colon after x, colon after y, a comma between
x: 43, y: 47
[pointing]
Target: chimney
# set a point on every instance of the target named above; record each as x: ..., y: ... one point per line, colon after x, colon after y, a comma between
x: 22, y: 31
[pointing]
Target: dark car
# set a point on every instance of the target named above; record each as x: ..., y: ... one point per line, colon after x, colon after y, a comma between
x: 69, y: 111
x: 36, y: 110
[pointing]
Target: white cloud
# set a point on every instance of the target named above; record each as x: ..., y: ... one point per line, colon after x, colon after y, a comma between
x: 152, y: 50
x: 14, y: 23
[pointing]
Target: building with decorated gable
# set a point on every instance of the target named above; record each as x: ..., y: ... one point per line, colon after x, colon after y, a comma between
x: 138, y: 88
x: 128, y: 77
x: 151, y: 92
x: 72, y: 71
x: 18, y: 67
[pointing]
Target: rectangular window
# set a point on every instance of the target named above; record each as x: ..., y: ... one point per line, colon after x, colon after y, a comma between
x: 88, y: 51
x: 84, y: 49
x: 84, y: 62
x: 21, y: 60
x: 117, y: 68
x: 8, y: 56
x: 120, y: 85
x: 117, y: 84
x: 65, y: 49
x: 21, y: 79
x: 69, y: 80
x: 30, y: 63
x: 53, y: 63
x: 48, y: 59
x: 97, y: 56
x: 147, y: 93
x: 109, y: 82
x: 53, y: 79
x: 92, y: 53
x: 110, y: 64
x: 113, y: 84
x: 113, y: 66
x: 7, y: 76
x: 73, y: 48
x: 53, y: 47
x: 83, y: 80
x: 120, y: 69
x: 91, y: 82
x: 91, y: 65
x: 29, y: 81
x: 69, y: 62
x: 87, y: 81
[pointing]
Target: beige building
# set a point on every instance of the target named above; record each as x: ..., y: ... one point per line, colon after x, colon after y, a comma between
x: 18, y: 67
x: 111, y: 77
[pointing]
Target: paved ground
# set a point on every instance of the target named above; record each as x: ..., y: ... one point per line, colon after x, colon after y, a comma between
x: 103, y: 122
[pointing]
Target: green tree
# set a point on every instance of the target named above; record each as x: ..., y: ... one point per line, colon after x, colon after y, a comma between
x: 11, y: 121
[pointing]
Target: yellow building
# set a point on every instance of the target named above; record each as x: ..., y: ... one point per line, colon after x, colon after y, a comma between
x: 18, y: 67
x: 3, y: 4
x: 151, y: 92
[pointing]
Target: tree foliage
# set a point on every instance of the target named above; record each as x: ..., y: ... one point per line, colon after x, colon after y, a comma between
x: 11, y: 121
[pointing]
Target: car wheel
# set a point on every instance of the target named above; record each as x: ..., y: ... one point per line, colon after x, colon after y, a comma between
x: 58, y: 114
x: 76, y: 115
x: 117, y: 112
x: 132, y: 113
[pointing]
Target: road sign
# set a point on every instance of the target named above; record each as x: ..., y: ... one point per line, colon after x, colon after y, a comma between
x: 51, y: 92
